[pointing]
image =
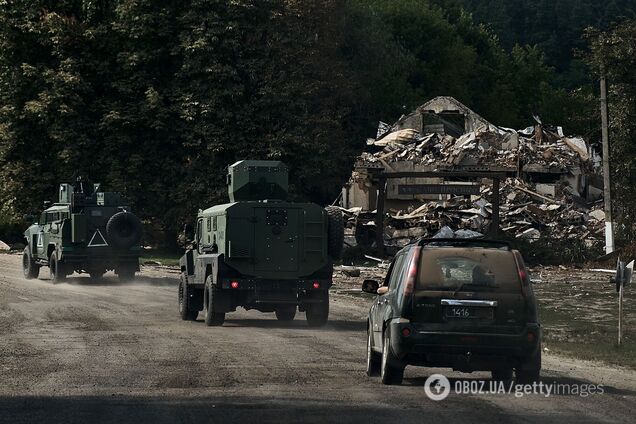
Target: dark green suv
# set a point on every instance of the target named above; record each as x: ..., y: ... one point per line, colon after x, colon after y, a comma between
x: 454, y: 303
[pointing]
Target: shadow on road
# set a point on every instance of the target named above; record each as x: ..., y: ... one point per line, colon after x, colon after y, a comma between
x: 175, y: 409
x: 113, y: 281
x: 298, y: 324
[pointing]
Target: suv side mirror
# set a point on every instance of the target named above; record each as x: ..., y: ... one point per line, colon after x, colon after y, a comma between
x: 370, y: 286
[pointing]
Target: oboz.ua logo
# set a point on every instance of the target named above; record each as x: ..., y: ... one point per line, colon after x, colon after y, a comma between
x: 437, y: 387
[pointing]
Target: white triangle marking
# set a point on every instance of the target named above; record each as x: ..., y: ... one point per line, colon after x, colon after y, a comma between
x: 101, y: 240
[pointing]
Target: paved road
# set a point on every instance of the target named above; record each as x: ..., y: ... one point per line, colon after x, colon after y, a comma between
x: 110, y: 352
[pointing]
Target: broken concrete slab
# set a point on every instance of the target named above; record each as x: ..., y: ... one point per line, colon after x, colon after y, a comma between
x: 547, y: 189
x: 445, y: 232
x: 467, y: 234
x: 578, y: 145
x: 598, y: 214
x: 530, y: 233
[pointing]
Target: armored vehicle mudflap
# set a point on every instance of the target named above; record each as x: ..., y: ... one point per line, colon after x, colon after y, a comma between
x: 216, y: 289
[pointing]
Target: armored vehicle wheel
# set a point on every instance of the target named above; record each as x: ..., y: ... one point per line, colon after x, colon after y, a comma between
x: 390, y: 371
x: 29, y: 267
x: 286, y: 313
x: 317, y: 314
x: 96, y: 275
x: 335, y: 232
x: 212, y: 318
x: 126, y: 275
x: 186, y: 313
x: 56, y: 268
x: 373, y: 359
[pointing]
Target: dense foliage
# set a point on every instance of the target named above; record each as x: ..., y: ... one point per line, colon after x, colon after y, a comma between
x: 554, y: 26
x: 614, y: 53
x: 155, y: 99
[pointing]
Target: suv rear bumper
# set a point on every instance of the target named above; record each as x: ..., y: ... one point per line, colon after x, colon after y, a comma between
x: 464, y: 351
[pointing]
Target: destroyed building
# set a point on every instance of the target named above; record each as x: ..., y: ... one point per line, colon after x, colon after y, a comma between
x: 550, y: 184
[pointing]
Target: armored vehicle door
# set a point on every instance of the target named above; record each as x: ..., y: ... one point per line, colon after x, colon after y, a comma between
x: 45, y: 235
x: 40, y: 250
x: 277, y: 238
x: 199, y: 267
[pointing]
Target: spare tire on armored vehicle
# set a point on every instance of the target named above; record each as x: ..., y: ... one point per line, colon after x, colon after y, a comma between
x: 335, y: 232
x: 124, y: 230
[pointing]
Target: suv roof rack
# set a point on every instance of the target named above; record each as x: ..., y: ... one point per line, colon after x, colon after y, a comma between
x: 472, y: 242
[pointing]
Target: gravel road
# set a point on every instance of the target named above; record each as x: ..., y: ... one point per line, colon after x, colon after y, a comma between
x: 116, y: 353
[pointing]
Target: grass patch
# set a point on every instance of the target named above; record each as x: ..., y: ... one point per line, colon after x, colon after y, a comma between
x: 579, y: 317
x: 152, y: 257
x: 610, y: 353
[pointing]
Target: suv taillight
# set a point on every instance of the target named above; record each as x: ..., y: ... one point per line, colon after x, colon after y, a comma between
x: 409, y: 286
x: 523, y: 273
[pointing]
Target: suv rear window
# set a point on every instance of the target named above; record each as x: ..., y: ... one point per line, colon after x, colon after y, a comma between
x: 474, y: 269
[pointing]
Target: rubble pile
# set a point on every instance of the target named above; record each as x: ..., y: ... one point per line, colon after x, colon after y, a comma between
x: 551, y: 189
x: 524, y: 213
x: 526, y: 209
x: 505, y: 149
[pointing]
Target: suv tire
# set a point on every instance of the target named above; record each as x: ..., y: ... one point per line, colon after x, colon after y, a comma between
x: 391, y: 371
x: 212, y: 318
x: 29, y: 267
x: 185, y: 312
x: 530, y: 371
x: 502, y: 374
x: 374, y: 361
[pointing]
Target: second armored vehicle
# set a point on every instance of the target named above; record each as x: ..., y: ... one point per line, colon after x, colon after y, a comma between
x: 260, y: 251
x: 88, y: 230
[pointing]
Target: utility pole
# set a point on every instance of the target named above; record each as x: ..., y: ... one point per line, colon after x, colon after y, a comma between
x: 607, y: 194
x: 620, y: 314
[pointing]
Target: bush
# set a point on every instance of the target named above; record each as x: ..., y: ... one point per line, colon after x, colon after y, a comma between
x: 11, y: 232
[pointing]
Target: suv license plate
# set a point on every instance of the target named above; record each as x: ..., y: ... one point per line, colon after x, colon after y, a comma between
x: 468, y: 312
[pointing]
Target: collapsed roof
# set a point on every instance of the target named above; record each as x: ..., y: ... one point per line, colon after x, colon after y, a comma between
x: 555, y: 177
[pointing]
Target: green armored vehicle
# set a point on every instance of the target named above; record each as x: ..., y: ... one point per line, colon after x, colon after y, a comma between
x: 88, y: 231
x: 260, y: 251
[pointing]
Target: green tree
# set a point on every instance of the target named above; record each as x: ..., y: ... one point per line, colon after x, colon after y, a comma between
x: 614, y: 53
x: 46, y: 108
x: 263, y: 79
x: 408, y: 51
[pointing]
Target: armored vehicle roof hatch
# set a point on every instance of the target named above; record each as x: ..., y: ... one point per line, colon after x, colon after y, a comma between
x: 257, y: 180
